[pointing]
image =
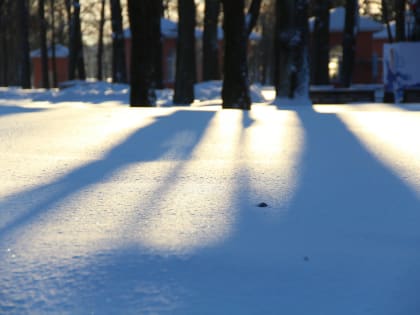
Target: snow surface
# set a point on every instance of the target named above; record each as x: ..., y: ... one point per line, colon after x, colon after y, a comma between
x: 168, y: 29
x: 337, y: 18
x: 107, y: 209
x: 60, y: 51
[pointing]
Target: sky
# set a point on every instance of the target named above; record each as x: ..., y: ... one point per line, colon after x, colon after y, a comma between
x: 107, y: 209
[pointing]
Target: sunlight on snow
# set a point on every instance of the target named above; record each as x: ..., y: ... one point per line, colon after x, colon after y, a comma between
x: 47, y: 145
x: 273, y: 146
x: 175, y: 204
x: 198, y: 210
x: 390, y: 133
x: 38, y: 170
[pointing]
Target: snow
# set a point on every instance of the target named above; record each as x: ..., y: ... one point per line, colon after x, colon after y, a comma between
x: 168, y: 28
x: 60, y: 51
x: 107, y: 209
x: 384, y: 33
x: 337, y: 17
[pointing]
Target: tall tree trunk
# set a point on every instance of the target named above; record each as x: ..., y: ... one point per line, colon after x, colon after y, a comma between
x: 211, y: 66
x: 43, y: 42
x: 292, y: 66
x: 53, y: 55
x: 119, y: 70
x: 416, y: 28
x: 158, y: 46
x: 349, y: 41
x: 235, y: 90
x: 4, y: 26
x: 284, y: 74
x: 385, y: 20
x: 99, y: 56
x: 301, y: 57
x: 321, y: 42
x: 267, y: 44
x: 185, y: 55
x: 400, y: 20
x: 252, y: 15
x: 76, y: 59
x: 24, y: 65
x: 144, y: 16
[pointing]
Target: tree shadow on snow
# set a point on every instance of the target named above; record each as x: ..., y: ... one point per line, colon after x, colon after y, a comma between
x: 150, y: 143
x: 350, y: 224
x: 12, y: 110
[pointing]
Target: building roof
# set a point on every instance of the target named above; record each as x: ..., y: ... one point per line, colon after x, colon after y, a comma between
x: 337, y: 17
x: 384, y: 33
x: 60, y: 51
x: 169, y: 29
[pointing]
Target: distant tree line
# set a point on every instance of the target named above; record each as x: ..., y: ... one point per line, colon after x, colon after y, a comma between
x: 282, y: 58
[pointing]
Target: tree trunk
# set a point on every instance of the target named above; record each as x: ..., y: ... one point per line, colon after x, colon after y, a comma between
x: 349, y: 42
x: 4, y: 26
x: 185, y: 56
x: 284, y: 74
x: 158, y: 76
x: 267, y: 44
x: 43, y: 42
x: 24, y: 65
x: 385, y: 20
x: 144, y: 18
x: 53, y: 56
x: 76, y: 60
x: 400, y: 20
x: 301, y: 88
x: 321, y: 43
x: 119, y: 70
x: 252, y: 16
x: 416, y: 28
x: 235, y: 90
x: 99, y: 56
x: 211, y: 66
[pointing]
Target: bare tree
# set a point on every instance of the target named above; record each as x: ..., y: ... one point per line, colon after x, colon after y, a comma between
x: 291, y: 49
x: 76, y: 60
x: 53, y: 34
x: 144, y: 18
x: 321, y: 45
x: 185, y: 57
x: 284, y: 33
x: 349, y: 41
x: 385, y: 20
x: 99, y: 58
x: 4, y: 56
x: 266, y: 44
x: 235, y: 90
x: 400, y: 20
x: 211, y: 66
x: 24, y: 64
x: 43, y: 42
x: 416, y: 27
x: 252, y: 15
x: 119, y: 72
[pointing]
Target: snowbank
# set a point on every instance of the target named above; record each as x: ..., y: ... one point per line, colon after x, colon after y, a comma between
x: 98, y: 92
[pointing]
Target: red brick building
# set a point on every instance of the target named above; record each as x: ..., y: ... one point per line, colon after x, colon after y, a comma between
x: 365, y: 67
x: 62, y: 61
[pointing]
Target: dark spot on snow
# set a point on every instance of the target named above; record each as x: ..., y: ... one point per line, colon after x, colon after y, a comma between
x: 262, y: 205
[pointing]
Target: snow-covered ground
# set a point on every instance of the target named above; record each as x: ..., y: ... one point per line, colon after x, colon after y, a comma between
x: 107, y: 209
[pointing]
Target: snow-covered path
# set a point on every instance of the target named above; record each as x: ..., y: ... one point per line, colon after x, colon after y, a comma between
x: 106, y: 209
